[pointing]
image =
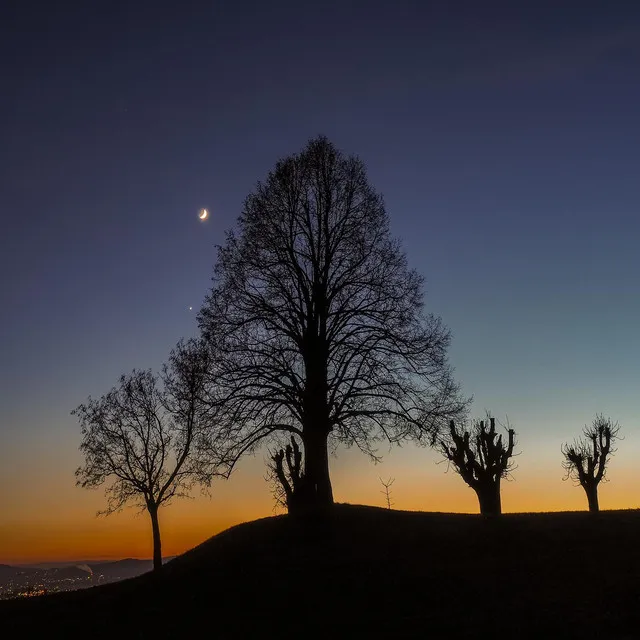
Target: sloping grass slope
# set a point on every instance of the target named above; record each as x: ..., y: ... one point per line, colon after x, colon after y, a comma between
x: 364, y: 572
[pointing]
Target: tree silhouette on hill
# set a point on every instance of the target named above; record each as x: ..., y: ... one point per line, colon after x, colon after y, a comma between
x: 287, y: 475
x: 482, y: 458
x: 142, y: 437
x: 317, y: 325
x: 585, y: 461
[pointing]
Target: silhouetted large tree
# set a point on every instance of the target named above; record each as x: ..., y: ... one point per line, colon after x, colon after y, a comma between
x: 142, y: 437
x: 586, y: 459
x: 317, y: 323
x: 482, y: 459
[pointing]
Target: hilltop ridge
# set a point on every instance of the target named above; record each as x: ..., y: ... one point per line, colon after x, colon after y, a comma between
x: 365, y: 571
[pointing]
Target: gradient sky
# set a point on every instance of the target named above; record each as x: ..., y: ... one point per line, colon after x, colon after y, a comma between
x: 504, y: 136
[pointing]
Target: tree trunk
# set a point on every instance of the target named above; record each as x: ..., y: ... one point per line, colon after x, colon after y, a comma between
x: 592, y: 497
x: 157, y: 544
x: 317, y: 483
x: 489, y: 498
x: 317, y: 494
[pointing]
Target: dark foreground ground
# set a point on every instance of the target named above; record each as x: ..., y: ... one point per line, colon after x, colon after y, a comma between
x: 364, y: 572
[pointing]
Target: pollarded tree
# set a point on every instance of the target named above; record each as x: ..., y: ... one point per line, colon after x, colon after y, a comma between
x: 142, y: 437
x: 585, y: 461
x: 482, y: 458
x: 317, y: 323
x: 287, y: 476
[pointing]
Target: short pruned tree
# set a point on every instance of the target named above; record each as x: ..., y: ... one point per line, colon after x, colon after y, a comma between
x: 482, y: 458
x: 317, y: 323
x: 287, y: 476
x: 142, y: 437
x: 585, y: 461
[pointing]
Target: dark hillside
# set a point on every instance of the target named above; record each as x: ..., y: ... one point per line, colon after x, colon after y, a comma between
x: 369, y: 572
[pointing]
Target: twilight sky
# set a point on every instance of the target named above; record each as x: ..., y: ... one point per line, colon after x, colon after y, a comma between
x: 503, y: 135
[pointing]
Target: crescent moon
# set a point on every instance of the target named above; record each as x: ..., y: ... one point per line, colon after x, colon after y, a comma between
x: 203, y: 215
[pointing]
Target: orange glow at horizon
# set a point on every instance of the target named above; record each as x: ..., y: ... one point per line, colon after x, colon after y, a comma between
x: 57, y: 522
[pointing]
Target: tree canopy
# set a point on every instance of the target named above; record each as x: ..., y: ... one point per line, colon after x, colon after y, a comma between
x: 316, y: 322
x: 142, y: 438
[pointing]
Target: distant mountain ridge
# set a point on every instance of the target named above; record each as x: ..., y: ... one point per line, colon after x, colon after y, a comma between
x: 76, y: 563
x: 14, y: 579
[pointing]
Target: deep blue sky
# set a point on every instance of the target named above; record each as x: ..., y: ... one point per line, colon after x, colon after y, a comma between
x: 504, y: 136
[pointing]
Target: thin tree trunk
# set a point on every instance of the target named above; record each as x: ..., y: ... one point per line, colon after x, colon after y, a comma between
x: 157, y: 543
x: 592, y: 497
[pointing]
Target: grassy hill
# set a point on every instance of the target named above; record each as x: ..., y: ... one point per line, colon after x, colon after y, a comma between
x: 365, y: 572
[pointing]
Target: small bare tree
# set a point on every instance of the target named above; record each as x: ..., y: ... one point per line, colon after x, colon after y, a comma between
x: 142, y: 437
x: 287, y: 475
x: 387, y: 491
x: 482, y: 459
x: 585, y: 461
